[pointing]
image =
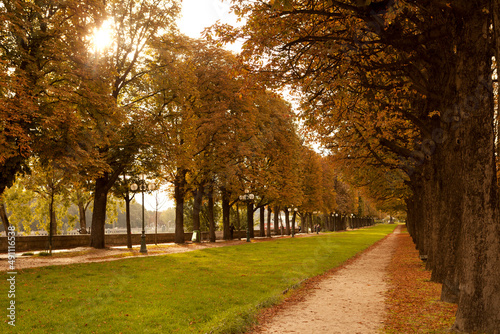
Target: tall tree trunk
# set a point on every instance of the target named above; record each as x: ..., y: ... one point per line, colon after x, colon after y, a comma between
x: 478, y: 246
x: 127, y: 219
x: 496, y: 29
x: 82, y: 210
x: 198, y: 198
x: 179, y: 193
x: 211, y: 215
x: 276, y: 220
x: 238, y: 222
x: 251, y: 233
x: 226, y: 210
x: 262, y: 232
x: 99, y: 212
x: 4, y: 217
x: 102, y: 186
x: 287, y: 221
x: 52, y: 221
x: 268, y: 231
x: 250, y: 221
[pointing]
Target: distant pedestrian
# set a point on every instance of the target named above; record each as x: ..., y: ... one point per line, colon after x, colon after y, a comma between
x: 231, y: 231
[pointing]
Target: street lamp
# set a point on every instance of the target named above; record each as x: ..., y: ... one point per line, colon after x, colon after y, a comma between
x: 248, y: 198
x: 143, y: 186
x: 314, y: 222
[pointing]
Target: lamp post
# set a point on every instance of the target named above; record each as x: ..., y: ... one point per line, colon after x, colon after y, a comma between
x: 314, y: 221
x: 248, y: 198
x: 143, y: 186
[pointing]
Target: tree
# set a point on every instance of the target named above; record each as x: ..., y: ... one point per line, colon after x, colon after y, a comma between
x: 83, y: 198
x: 121, y: 189
x: 41, y: 197
x: 136, y: 25
x: 45, y: 87
x: 208, y: 123
x: 426, y: 69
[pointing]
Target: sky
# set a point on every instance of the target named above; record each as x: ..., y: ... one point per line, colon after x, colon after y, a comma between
x: 199, y: 14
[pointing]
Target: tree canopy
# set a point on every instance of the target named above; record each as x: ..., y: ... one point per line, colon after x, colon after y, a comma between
x: 403, y: 89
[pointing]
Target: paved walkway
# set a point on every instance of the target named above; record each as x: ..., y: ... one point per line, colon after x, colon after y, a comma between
x: 349, y: 301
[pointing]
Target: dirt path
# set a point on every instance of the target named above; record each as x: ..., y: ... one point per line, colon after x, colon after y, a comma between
x: 349, y: 301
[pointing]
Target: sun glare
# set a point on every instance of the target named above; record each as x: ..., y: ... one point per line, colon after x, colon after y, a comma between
x: 102, y: 37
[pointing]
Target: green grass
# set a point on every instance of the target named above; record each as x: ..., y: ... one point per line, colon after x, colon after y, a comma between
x: 216, y: 290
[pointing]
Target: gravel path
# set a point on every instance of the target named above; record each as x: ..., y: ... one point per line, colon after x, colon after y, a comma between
x: 349, y: 301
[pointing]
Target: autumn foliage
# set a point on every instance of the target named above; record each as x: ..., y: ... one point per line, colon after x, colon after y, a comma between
x: 412, y: 303
x: 402, y: 95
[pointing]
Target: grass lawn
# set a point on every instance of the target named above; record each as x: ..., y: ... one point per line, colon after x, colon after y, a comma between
x: 216, y: 290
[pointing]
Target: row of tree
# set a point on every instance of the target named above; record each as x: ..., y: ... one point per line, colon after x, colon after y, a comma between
x: 404, y: 94
x: 33, y: 196
x: 88, y: 119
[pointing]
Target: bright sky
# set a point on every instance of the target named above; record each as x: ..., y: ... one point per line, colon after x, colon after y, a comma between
x: 200, y: 14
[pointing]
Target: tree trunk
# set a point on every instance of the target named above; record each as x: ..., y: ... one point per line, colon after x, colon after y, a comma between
x: 294, y: 216
x: 198, y: 198
x: 82, y: 216
x: 454, y: 217
x: 179, y: 193
x: 276, y: 220
x: 52, y: 223
x: 211, y: 216
x: 268, y: 231
x: 287, y: 221
x: 4, y: 217
x: 99, y: 213
x: 262, y: 232
x: 478, y: 246
x: 251, y: 233
x: 127, y: 219
x: 238, y: 222
x: 102, y: 186
x: 226, y: 210
x: 496, y: 29
x: 250, y: 221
